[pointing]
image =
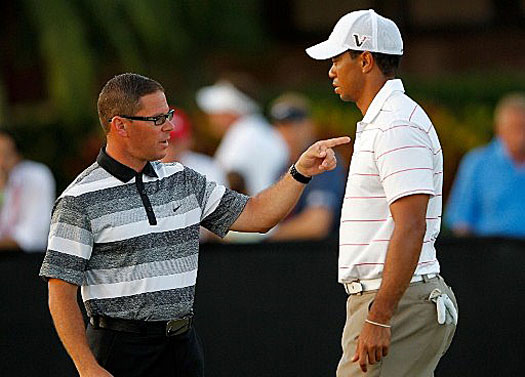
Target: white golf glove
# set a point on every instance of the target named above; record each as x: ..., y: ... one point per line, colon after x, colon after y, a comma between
x: 446, y: 312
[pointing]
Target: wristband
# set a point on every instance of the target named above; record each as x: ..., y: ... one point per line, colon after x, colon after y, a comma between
x: 298, y: 176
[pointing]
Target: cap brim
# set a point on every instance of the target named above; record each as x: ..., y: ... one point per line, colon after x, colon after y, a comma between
x: 325, y: 50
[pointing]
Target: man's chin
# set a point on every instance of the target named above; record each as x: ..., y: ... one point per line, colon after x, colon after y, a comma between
x: 345, y: 98
x: 159, y: 156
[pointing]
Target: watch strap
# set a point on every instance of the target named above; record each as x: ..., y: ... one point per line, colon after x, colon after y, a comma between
x: 298, y: 176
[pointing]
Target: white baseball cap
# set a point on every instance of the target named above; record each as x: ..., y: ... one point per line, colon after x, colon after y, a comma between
x: 224, y: 97
x: 361, y: 30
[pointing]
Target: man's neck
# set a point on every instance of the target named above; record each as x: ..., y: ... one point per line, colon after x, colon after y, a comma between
x: 12, y: 163
x: 519, y: 159
x: 124, y: 157
x: 370, y: 90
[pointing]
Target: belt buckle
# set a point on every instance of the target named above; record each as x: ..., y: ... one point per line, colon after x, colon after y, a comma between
x: 354, y: 287
x: 177, y: 326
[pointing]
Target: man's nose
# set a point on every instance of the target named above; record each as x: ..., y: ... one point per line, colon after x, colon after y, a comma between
x: 169, y: 125
x: 331, y: 72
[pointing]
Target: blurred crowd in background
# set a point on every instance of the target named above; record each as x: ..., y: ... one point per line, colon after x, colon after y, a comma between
x: 248, y: 101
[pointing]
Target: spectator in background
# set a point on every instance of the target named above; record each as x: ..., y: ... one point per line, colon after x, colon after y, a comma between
x: 316, y: 215
x: 251, y: 151
x: 487, y: 196
x: 28, y: 194
x: 180, y: 147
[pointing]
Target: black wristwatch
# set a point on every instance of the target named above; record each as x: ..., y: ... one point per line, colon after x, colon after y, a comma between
x: 298, y: 176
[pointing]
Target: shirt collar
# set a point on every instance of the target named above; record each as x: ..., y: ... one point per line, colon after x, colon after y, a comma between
x: 377, y: 103
x: 121, y: 171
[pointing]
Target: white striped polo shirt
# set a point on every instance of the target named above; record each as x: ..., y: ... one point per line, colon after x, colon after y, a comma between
x: 130, y: 239
x: 396, y: 153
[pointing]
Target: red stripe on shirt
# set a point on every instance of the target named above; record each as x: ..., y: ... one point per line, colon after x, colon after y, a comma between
x: 403, y: 171
x: 368, y: 244
x: 400, y: 148
x: 365, y: 221
x: 413, y: 111
x: 400, y: 126
x: 378, y: 263
x: 362, y: 244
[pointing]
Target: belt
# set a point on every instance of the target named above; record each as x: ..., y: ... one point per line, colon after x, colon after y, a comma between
x: 160, y: 328
x: 360, y: 286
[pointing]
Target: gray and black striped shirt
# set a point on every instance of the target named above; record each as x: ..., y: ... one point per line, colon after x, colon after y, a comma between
x: 131, y: 240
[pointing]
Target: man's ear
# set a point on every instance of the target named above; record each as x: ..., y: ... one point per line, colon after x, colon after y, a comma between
x: 367, y: 61
x: 119, y: 127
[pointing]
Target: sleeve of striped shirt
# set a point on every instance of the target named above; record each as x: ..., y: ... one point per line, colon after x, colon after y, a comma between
x: 405, y: 161
x: 70, y: 243
x: 220, y: 205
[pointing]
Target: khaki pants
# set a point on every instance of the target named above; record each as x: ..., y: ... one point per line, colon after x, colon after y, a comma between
x: 418, y: 341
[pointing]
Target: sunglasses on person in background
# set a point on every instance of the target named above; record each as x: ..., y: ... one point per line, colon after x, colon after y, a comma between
x: 158, y: 120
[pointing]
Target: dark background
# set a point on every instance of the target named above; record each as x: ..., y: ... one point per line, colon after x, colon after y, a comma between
x: 461, y: 57
x: 268, y: 309
x: 277, y: 310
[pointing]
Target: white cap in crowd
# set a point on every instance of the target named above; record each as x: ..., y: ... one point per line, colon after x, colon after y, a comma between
x: 362, y: 30
x: 223, y: 97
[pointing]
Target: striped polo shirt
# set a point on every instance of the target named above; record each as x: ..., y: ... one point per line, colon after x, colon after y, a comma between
x: 131, y: 240
x: 396, y: 153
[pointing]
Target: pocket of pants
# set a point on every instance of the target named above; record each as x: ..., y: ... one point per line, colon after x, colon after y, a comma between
x: 101, y: 342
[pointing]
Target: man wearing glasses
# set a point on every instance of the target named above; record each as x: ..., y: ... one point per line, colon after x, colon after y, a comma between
x: 127, y: 232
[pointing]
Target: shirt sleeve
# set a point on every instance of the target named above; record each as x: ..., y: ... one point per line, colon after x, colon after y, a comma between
x: 405, y: 161
x: 70, y: 243
x: 220, y: 206
x: 462, y: 205
x: 37, y: 195
x: 234, y: 150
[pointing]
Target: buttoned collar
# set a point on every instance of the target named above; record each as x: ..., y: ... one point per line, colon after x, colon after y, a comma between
x: 377, y: 103
x: 121, y: 171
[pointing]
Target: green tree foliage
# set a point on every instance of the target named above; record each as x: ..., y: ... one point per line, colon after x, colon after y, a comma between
x: 77, y: 45
x: 82, y: 43
x: 64, y: 49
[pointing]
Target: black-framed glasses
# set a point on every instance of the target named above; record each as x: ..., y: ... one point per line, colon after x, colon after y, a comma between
x: 158, y: 120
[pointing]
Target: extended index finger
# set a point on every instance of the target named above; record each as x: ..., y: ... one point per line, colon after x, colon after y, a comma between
x: 334, y: 142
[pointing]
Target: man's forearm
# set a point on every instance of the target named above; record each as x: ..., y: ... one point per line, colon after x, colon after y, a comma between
x: 401, y: 261
x: 267, y: 208
x: 313, y: 223
x: 70, y: 325
x: 270, y: 206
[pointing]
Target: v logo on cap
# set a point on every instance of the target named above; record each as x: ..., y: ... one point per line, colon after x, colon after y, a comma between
x: 360, y: 40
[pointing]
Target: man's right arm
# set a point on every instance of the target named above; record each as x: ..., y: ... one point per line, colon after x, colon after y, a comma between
x: 264, y: 210
x: 69, y: 324
x: 314, y: 223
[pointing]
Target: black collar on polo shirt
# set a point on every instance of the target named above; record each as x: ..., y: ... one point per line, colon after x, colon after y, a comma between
x: 121, y: 171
